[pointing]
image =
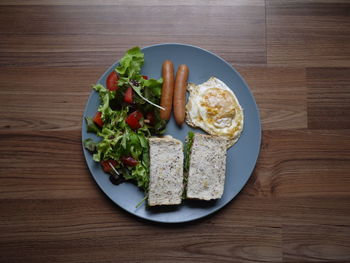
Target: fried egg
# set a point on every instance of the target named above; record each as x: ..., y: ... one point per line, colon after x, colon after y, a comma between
x: 213, y: 107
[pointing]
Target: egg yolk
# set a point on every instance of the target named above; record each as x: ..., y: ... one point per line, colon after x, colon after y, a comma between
x: 219, y: 106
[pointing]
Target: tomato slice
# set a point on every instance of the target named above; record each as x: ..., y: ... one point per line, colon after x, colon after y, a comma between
x: 106, y: 165
x: 145, y: 77
x: 97, y: 119
x: 138, y: 115
x: 128, y: 95
x: 129, y: 161
x: 133, y: 120
x: 112, y: 81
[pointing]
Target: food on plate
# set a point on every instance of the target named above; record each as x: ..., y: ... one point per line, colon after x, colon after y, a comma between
x: 166, y: 100
x: 133, y: 109
x: 180, y: 94
x: 213, y: 107
x: 127, y: 115
x: 207, y: 166
x: 166, y: 171
x: 187, y: 153
x: 112, y: 81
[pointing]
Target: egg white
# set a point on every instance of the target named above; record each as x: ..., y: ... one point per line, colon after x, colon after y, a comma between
x: 213, y: 107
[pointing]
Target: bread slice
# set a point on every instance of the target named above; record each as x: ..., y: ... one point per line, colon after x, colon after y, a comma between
x: 166, y: 171
x: 206, y: 176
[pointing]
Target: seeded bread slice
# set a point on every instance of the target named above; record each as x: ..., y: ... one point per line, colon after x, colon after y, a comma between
x: 166, y: 171
x: 206, y: 177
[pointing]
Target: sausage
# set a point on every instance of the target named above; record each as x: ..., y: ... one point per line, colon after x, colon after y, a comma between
x: 166, y: 99
x: 179, y: 94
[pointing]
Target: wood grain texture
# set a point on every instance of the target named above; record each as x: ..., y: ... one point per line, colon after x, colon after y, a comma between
x: 308, y: 33
x: 280, y: 94
x: 294, y: 56
x: 87, y: 35
x: 296, y: 164
x: 103, y: 230
x: 43, y: 165
x: 327, y: 243
x: 328, y: 98
x: 49, y: 98
x: 136, y: 2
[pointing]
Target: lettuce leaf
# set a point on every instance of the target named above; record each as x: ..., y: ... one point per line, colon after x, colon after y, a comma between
x: 90, y: 145
x: 129, y: 71
x: 154, y: 87
x: 187, y: 151
x: 140, y: 174
x: 131, y: 63
x: 117, y: 138
x: 91, y: 126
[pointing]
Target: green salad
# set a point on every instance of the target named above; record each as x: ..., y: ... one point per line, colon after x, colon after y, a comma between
x: 127, y: 115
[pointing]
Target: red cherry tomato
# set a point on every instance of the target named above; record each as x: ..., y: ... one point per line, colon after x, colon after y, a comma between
x: 97, y: 119
x: 129, y: 161
x: 138, y: 115
x: 128, y: 95
x: 112, y: 81
x: 133, y: 120
x: 145, y: 77
x: 150, y: 118
x: 106, y: 165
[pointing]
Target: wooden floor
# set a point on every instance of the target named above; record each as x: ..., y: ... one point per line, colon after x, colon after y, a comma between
x: 295, y: 56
